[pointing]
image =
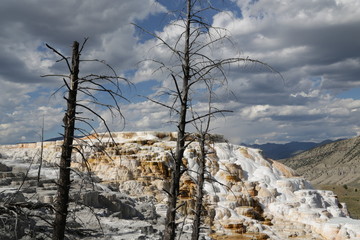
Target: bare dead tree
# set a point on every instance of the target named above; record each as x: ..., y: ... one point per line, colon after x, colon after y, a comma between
x: 41, y: 151
x: 200, y: 183
x: 88, y: 86
x: 195, y: 68
x: 202, y: 126
x: 67, y: 147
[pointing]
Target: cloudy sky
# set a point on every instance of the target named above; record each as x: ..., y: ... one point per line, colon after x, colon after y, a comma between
x: 315, y: 45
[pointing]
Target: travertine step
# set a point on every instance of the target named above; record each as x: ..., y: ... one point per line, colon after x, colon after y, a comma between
x: 27, y: 183
x: 46, y: 196
x: 32, y: 189
x: 4, y: 168
x: 5, y: 181
x: 6, y: 175
x: 290, y: 230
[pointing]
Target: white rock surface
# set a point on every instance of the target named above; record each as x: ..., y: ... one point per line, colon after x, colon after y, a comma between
x: 244, y: 191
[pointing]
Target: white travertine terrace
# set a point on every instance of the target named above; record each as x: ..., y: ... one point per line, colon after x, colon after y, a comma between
x: 245, y: 192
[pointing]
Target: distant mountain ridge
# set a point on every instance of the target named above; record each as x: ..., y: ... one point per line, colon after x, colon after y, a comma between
x: 282, y: 151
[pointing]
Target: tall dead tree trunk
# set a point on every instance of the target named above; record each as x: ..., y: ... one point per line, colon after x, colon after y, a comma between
x: 199, y: 188
x: 170, y: 228
x: 88, y: 85
x: 196, y: 67
x: 202, y: 126
x: 41, y: 151
x: 62, y: 200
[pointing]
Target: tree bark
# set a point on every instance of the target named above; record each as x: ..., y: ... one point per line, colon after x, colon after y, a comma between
x: 62, y: 200
x: 199, y: 190
x: 170, y: 228
x: 41, y: 151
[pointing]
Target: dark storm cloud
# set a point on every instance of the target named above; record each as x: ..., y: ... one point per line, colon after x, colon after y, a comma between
x: 30, y: 24
x: 25, y: 28
x: 315, y: 45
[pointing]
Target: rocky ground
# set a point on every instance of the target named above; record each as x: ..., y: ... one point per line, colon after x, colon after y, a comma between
x: 247, y: 196
x: 96, y: 211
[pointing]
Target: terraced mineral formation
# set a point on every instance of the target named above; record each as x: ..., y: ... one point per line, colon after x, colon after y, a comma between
x: 246, y: 195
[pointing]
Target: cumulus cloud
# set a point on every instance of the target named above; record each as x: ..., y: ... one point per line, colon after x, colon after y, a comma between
x: 313, y: 44
x: 314, y: 36
x: 27, y: 26
x: 21, y: 118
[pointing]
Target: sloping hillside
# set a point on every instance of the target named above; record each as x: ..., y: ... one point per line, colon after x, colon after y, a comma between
x: 333, y: 163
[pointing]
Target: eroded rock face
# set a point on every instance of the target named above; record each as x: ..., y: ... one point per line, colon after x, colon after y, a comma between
x: 245, y: 194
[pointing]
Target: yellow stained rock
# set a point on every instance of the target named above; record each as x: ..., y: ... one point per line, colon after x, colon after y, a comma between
x: 286, y: 171
x: 245, y: 153
x: 245, y: 236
